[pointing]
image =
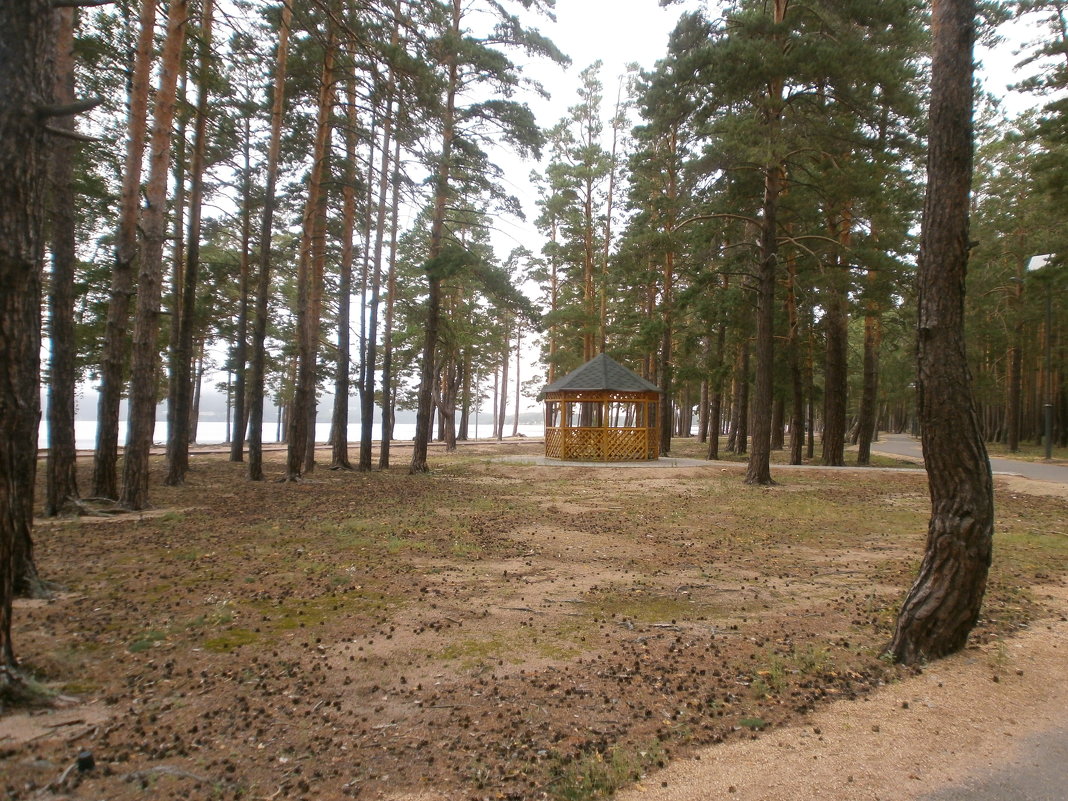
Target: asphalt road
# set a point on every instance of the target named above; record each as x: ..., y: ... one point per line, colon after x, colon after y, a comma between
x: 1037, y: 772
x: 909, y: 447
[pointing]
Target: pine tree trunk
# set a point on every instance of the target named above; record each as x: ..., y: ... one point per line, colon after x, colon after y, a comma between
x: 145, y: 361
x: 257, y: 367
x: 240, y: 353
x: 27, y: 37
x: 339, y: 420
x: 61, y: 485
x: 387, y: 336
x: 869, y: 399
x: 181, y: 384
x: 464, y: 428
x: 437, y: 230
x: 113, y: 359
x: 835, y: 380
x: 715, y: 411
x: 758, y: 470
x: 943, y: 605
x: 793, y: 352
x: 1015, y: 382
x: 503, y: 411
x: 301, y: 431
x: 518, y: 354
x: 370, y: 355
x: 665, y: 368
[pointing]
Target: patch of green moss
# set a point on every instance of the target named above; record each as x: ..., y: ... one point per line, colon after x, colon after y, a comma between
x: 230, y: 640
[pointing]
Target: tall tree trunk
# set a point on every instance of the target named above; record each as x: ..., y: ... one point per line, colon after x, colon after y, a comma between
x: 370, y: 354
x: 145, y: 364
x: 503, y: 410
x: 869, y: 399
x: 518, y: 388
x: 257, y: 368
x: 943, y: 605
x: 310, y: 284
x: 27, y: 36
x: 464, y: 428
x: 437, y: 230
x: 835, y: 374
x: 61, y: 485
x: 793, y: 352
x: 836, y: 322
x: 198, y: 382
x: 240, y: 352
x: 715, y: 412
x: 759, y: 468
x: 1015, y: 382
x: 181, y: 384
x: 387, y: 336
x: 665, y: 367
x: 113, y: 359
x: 339, y: 420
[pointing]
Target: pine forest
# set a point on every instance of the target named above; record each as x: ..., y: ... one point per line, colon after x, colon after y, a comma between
x: 352, y: 211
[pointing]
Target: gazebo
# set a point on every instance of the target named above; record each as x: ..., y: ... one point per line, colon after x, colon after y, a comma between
x: 602, y: 412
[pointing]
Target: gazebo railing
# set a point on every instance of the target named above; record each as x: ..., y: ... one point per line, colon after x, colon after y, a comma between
x: 599, y: 444
x: 602, y: 426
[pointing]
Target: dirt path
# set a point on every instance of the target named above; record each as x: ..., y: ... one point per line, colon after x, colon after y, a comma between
x: 958, y: 722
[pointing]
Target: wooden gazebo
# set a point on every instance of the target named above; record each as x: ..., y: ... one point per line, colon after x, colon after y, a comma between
x: 602, y: 412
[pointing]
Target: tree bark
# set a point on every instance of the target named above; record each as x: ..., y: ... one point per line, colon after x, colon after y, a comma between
x: 387, y: 336
x: 61, y: 486
x: 113, y: 359
x: 758, y: 470
x: 257, y: 368
x: 27, y: 37
x: 869, y: 399
x: 437, y: 230
x: 145, y: 362
x: 943, y: 605
x: 301, y: 429
x: 240, y: 353
x: 835, y: 376
x: 370, y: 354
x: 518, y: 354
x: 339, y: 428
x: 181, y: 383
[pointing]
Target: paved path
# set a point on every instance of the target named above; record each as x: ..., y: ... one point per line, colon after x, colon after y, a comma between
x: 909, y: 447
x: 897, y: 445
x: 1038, y: 771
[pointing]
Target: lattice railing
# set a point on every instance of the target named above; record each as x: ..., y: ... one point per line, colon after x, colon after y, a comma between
x: 601, y: 444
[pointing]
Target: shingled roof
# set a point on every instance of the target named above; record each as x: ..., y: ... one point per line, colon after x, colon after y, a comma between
x: 601, y: 373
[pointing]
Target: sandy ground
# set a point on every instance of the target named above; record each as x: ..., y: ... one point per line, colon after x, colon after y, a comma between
x: 961, y: 717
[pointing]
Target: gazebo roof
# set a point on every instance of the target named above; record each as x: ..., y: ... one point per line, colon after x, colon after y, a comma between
x: 601, y: 373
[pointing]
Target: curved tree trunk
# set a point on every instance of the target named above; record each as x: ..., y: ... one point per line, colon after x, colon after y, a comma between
x: 943, y: 605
